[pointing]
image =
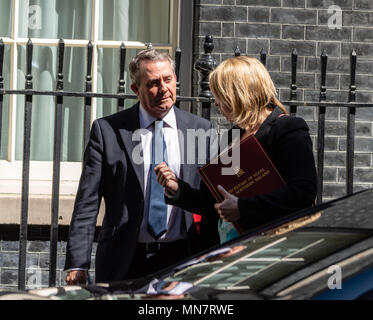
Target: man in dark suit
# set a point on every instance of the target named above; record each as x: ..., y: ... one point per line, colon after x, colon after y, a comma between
x: 118, y: 166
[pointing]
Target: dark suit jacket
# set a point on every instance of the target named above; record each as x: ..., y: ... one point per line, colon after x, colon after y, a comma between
x: 287, y: 142
x: 110, y: 172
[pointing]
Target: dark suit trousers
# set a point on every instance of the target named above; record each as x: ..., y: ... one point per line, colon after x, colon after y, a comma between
x: 148, y: 260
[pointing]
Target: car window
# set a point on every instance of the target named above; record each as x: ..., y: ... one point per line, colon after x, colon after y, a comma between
x: 255, y: 263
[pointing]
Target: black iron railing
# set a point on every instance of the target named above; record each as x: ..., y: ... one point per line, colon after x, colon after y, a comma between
x: 204, y: 65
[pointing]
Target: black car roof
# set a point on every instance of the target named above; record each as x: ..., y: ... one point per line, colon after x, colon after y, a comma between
x: 346, y: 215
x: 354, y: 211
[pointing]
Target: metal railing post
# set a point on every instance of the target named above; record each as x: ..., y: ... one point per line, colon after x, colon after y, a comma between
x: 263, y: 57
x: 25, y: 170
x: 56, y: 168
x: 204, y: 66
x: 87, y: 100
x: 321, y: 129
x: 350, y: 140
x: 237, y: 51
x: 121, y: 82
x: 177, y: 72
x: 293, y: 86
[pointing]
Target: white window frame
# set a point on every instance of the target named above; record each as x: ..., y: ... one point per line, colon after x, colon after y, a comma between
x: 41, y: 171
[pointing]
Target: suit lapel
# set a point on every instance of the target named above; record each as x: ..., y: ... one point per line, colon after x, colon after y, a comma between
x: 131, y: 123
x: 182, y: 127
x: 186, y: 170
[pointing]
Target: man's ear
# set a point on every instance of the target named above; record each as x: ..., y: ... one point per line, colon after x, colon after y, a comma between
x: 134, y: 88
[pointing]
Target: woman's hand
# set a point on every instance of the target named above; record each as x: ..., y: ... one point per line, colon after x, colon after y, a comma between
x: 228, y: 209
x: 166, y: 177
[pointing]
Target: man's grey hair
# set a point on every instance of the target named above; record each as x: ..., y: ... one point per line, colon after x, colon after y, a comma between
x: 148, y: 55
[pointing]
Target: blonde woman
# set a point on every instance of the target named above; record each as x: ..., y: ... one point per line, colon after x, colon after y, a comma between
x: 246, y: 96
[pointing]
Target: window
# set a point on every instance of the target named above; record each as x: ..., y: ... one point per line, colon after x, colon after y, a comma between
x: 107, y: 23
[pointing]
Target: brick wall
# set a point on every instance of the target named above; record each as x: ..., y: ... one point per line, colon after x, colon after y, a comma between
x: 278, y: 26
x: 37, y: 264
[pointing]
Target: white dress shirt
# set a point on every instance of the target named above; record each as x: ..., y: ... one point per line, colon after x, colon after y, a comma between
x: 176, y: 228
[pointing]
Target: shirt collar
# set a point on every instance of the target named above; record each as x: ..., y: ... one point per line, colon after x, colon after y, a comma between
x: 146, y: 119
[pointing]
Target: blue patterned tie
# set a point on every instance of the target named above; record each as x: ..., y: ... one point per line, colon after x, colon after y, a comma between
x: 157, y: 220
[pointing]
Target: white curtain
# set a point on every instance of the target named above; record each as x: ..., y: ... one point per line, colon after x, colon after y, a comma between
x: 55, y: 19
x: 5, y: 31
x: 119, y: 12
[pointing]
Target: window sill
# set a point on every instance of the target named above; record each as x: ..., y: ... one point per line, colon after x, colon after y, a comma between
x: 39, y: 209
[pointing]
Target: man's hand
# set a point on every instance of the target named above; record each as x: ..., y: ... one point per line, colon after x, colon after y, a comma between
x: 166, y: 177
x: 77, y: 277
x: 228, y: 209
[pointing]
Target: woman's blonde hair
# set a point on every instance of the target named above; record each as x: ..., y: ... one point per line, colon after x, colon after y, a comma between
x: 244, y: 85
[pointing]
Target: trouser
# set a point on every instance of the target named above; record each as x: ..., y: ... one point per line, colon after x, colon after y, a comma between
x: 152, y: 257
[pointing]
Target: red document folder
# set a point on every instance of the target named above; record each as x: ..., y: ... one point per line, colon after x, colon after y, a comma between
x: 254, y: 173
